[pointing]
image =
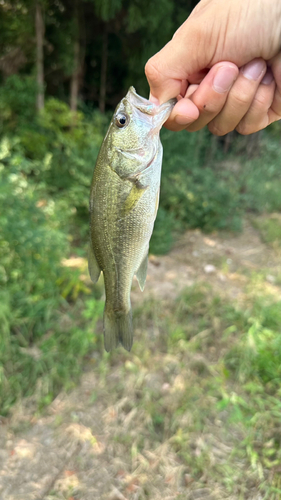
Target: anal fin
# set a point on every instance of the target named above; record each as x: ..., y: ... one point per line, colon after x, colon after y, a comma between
x: 142, y: 272
x: 94, y: 268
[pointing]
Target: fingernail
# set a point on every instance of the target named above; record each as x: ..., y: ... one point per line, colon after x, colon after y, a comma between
x: 253, y: 69
x: 224, y: 78
x: 268, y: 77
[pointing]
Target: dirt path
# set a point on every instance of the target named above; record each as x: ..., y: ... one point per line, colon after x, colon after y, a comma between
x: 222, y: 260
x: 74, y: 451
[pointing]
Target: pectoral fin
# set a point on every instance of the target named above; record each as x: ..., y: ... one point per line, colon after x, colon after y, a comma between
x: 94, y: 268
x: 142, y: 272
x: 133, y: 197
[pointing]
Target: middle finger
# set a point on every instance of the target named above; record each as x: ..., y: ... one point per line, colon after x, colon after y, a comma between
x: 239, y: 98
x: 207, y: 99
x: 211, y: 94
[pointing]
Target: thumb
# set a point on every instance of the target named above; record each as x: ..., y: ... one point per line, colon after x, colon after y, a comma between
x: 184, y: 57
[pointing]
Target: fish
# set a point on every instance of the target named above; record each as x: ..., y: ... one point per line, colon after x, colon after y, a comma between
x: 124, y: 200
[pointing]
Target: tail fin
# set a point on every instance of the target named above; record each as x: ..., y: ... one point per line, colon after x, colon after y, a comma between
x: 117, y: 327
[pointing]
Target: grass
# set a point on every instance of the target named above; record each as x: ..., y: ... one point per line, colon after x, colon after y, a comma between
x: 53, y: 362
x: 270, y: 228
x: 203, y: 381
x: 196, y: 405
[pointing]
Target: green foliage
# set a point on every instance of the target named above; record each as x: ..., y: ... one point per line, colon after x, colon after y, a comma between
x: 209, y: 387
x: 17, y: 102
x: 45, y: 173
x: 201, y: 188
x: 16, y: 26
x: 193, y: 190
x: 33, y: 242
x: 73, y: 143
x: 135, y: 31
x: 163, y: 233
x: 270, y: 229
x: 32, y: 247
x: 107, y: 9
x: 260, y: 178
x: 57, y: 147
x: 141, y: 24
x: 54, y: 361
x: 258, y: 353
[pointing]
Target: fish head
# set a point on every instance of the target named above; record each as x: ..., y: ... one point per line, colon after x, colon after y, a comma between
x: 133, y: 134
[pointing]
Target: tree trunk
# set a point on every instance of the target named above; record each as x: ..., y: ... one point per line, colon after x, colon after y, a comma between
x: 74, y: 86
x: 103, y: 70
x: 40, y: 30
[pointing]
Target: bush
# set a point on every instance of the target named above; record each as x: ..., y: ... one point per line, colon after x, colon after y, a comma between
x: 58, y: 147
x: 163, y: 235
x: 35, y: 346
x: 204, y: 187
x: 193, y: 190
x: 32, y: 245
x: 17, y: 102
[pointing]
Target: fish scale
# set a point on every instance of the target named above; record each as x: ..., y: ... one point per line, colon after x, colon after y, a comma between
x: 123, y: 206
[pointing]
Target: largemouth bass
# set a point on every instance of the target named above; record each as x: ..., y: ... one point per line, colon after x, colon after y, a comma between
x: 123, y: 206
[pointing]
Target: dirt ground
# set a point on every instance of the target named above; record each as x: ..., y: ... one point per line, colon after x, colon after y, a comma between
x: 70, y: 452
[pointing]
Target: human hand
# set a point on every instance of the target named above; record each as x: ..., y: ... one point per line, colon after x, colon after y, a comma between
x: 244, y: 103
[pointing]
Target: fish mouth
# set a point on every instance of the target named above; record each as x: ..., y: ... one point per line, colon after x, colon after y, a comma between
x: 140, y: 102
x: 160, y: 113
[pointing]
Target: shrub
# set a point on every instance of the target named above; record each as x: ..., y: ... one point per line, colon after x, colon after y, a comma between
x: 193, y: 190
x: 35, y: 348
x: 32, y: 245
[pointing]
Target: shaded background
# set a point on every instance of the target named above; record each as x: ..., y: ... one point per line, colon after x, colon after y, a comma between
x: 207, y: 328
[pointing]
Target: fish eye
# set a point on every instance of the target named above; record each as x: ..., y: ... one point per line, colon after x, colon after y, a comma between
x: 121, y: 120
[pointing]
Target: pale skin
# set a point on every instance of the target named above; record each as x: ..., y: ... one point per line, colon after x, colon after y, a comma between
x: 224, y: 66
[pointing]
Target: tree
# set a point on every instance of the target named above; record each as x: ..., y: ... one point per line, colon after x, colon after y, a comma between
x: 74, y: 85
x: 103, y: 73
x: 40, y: 31
x: 106, y: 10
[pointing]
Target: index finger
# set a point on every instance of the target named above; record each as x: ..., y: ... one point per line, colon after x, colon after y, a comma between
x: 177, y: 61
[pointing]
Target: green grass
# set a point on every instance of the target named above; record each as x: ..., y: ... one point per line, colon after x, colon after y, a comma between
x: 270, y: 229
x: 205, y: 378
x: 53, y: 362
x: 202, y: 383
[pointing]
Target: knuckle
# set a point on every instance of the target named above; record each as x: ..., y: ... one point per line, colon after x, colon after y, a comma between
x: 261, y: 101
x: 151, y: 71
x: 241, y: 100
x: 216, y: 129
x: 245, y: 128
